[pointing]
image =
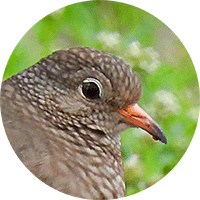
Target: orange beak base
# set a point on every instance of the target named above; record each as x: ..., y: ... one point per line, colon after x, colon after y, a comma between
x: 136, y: 116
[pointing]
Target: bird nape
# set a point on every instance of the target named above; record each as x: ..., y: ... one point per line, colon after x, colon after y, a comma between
x: 63, y: 117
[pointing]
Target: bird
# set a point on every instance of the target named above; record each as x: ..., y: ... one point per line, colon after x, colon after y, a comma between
x: 64, y: 115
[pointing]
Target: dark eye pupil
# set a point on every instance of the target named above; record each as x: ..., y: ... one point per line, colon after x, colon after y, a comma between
x: 91, y: 90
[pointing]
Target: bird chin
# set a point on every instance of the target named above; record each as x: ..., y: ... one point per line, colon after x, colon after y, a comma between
x: 121, y: 127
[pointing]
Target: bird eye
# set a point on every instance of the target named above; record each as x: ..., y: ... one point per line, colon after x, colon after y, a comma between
x: 91, y: 89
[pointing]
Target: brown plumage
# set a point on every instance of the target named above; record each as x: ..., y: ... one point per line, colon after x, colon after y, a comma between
x: 64, y: 115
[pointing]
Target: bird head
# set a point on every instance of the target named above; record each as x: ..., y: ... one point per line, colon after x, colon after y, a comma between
x: 84, y: 86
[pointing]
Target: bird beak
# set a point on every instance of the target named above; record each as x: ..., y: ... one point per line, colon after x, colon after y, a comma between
x: 135, y: 115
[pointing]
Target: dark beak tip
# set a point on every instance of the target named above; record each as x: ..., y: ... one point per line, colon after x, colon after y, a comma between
x: 158, y: 134
x: 162, y: 139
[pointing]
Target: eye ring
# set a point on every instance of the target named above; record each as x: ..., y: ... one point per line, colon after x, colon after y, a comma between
x: 91, y: 89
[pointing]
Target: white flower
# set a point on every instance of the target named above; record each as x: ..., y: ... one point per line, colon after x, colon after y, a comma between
x: 193, y: 113
x: 168, y: 101
x: 135, y: 48
x: 152, y: 53
x: 151, y: 63
x: 110, y: 39
x: 132, y: 161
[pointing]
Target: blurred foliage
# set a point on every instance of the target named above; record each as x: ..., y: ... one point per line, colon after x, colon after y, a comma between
x: 170, y: 85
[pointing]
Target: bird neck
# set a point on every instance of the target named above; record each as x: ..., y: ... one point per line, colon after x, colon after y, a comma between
x: 92, y: 158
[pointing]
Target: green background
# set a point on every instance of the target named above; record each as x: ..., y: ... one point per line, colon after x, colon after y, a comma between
x: 170, y: 85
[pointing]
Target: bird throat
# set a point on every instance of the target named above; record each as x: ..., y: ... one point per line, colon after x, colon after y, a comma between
x: 92, y: 158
